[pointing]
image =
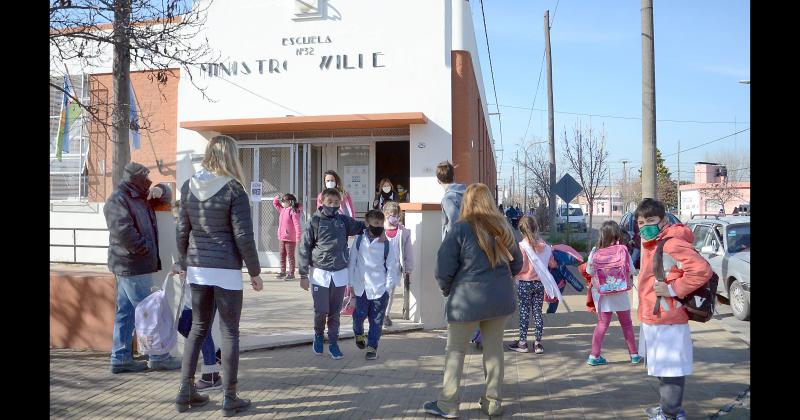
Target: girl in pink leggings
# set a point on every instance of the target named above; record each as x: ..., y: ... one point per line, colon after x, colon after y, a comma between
x: 610, y: 234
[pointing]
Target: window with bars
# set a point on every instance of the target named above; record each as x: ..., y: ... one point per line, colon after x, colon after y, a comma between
x: 69, y: 176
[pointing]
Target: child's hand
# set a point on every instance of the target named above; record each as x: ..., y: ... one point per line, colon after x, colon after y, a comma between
x: 304, y: 282
x: 661, y: 289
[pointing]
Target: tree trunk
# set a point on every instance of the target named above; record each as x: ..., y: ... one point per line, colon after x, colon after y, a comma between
x: 589, y: 228
x: 121, y: 74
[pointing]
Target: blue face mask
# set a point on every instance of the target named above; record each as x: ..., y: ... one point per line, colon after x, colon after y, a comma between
x: 329, y: 211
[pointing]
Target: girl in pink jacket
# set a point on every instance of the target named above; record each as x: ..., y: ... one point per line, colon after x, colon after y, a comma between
x: 288, y: 231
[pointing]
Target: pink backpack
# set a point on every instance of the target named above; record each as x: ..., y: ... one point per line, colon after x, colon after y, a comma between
x: 611, y: 267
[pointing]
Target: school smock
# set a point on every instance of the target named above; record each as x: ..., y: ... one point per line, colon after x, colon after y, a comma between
x: 608, y: 303
x: 667, y: 349
x: 366, y: 267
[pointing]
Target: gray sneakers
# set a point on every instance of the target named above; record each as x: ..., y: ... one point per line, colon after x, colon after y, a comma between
x: 131, y: 366
x: 170, y: 363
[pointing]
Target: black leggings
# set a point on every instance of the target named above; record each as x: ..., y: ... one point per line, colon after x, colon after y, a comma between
x: 205, y: 301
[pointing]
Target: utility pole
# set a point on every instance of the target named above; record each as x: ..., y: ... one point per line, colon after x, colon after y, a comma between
x: 680, y: 203
x: 648, y: 103
x: 551, y: 123
x: 624, y: 184
x: 610, y: 196
x: 517, y: 168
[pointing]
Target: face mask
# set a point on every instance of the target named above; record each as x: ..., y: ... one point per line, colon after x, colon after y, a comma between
x: 649, y: 232
x: 330, y: 184
x: 387, y: 189
x: 376, y: 230
x: 393, y: 220
x: 329, y: 211
x: 286, y: 204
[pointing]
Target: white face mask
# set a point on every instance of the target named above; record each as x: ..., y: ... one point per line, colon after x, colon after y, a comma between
x: 387, y: 189
x: 330, y: 184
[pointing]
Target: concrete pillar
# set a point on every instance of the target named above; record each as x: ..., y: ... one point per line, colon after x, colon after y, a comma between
x: 426, y: 303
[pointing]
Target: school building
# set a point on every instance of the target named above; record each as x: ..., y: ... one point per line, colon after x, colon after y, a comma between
x: 369, y: 89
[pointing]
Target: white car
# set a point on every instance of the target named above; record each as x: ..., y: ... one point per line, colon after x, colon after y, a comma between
x: 577, y: 220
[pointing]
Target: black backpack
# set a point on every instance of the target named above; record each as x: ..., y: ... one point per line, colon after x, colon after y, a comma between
x: 700, y: 303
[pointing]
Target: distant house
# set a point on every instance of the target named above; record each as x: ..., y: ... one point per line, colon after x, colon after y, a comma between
x: 712, y: 190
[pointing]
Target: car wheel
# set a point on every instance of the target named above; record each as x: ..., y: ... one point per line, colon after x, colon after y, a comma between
x: 739, y: 304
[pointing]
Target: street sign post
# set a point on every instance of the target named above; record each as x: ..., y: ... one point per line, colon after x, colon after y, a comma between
x: 567, y: 188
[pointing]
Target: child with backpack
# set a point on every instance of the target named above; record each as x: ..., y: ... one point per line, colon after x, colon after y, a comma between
x: 664, y: 338
x: 374, y: 270
x: 532, y: 282
x: 401, y: 238
x: 288, y: 231
x: 324, y: 247
x: 610, y: 266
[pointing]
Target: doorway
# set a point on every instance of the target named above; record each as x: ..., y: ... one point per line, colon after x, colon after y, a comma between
x: 393, y: 160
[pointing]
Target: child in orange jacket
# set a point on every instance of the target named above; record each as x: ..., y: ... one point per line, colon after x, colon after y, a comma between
x: 664, y: 337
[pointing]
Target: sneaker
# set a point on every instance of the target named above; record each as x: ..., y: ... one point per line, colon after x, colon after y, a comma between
x: 537, y: 348
x: 289, y: 277
x: 515, y: 346
x: 280, y: 276
x: 317, y: 347
x: 336, y: 354
x: 636, y: 359
x: 491, y: 409
x: 387, y: 322
x: 203, y: 385
x: 170, y: 363
x: 131, y: 366
x: 431, y: 407
x: 595, y: 361
x: 361, y: 341
x: 372, y: 353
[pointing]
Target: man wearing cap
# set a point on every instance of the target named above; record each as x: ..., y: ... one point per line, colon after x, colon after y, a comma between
x: 133, y: 258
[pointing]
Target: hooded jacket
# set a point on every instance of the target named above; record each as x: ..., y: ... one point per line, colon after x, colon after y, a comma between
x: 685, y: 270
x: 288, y: 221
x: 215, y: 227
x: 451, y: 206
x: 131, y: 221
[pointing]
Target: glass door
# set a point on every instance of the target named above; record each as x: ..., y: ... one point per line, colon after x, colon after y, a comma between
x: 276, y: 167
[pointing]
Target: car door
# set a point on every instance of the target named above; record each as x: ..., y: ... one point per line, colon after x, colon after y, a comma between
x: 712, y: 238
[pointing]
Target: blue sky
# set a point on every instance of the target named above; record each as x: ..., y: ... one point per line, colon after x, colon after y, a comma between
x: 702, y: 50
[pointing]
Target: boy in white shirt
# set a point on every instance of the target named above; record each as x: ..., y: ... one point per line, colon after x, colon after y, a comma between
x: 374, y: 270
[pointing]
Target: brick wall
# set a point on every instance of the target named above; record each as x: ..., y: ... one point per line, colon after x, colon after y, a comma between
x: 159, y: 105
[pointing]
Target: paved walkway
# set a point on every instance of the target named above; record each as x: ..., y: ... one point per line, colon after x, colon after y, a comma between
x: 292, y: 382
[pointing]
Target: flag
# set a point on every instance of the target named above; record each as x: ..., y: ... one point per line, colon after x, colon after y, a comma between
x: 70, y: 112
x: 133, y: 131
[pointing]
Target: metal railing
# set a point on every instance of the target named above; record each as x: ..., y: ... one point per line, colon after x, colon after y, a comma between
x: 75, y: 245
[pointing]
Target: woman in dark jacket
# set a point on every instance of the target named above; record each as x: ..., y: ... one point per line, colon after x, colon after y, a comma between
x: 475, y: 268
x: 215, y: 233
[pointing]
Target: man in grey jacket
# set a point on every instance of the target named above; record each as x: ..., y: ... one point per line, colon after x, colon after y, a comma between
x: 133, y: 258
x: 453, y: 194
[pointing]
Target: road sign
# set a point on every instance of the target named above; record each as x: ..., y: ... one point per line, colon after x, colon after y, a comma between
x: 567, y: 188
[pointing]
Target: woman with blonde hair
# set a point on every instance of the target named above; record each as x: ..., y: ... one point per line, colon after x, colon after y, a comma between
x: 215, y: 233
x: 474, y: 268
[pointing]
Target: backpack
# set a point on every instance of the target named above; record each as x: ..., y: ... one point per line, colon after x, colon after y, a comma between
x: 700, y: 303
x: 155, y: 323
x: 611, y: 266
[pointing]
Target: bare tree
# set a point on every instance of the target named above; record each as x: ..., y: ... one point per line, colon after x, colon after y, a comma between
x: 587, y: 158
x: 157, y: 36
x: 538, y: 166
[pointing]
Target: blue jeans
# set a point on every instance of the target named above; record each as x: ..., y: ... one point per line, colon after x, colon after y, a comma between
x: 207, y: 349
x: 375, y: 311
x: 130, y: 291
x: 551, y: 308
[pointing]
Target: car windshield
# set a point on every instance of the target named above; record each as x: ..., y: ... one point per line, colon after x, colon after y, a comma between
x: 572, y: 212
x: 738, y: 238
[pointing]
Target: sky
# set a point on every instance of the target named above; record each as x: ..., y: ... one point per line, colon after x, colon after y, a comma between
x: 702, y: 50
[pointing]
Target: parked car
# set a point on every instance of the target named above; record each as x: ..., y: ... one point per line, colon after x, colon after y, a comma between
x: 725, y: 243
x: 631, y: 229
x: 577, y: 220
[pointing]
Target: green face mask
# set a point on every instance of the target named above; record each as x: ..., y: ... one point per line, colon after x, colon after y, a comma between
x: 649, y: 232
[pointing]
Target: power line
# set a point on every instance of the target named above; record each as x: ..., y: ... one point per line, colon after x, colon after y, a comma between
x: 701, y: 145
x: 624, y: 117
x: 536, y: 93
x: 259, y: 96
x: 494, y: 87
